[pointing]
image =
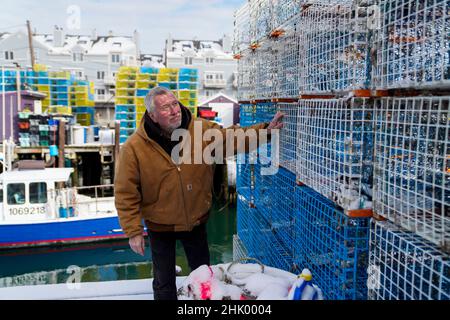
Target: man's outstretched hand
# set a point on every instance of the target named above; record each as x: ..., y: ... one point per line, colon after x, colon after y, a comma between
x: 276, y: 121
x: 137, y: 244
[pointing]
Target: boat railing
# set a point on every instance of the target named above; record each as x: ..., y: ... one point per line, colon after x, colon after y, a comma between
x: 96, y: 198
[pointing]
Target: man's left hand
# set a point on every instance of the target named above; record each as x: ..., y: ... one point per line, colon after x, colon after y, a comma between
x: 276, y: 121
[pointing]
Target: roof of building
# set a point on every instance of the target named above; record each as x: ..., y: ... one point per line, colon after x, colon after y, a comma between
x: 198, y: 48
x: 101, y: 45
x: 220, y: 94
x: 152, y: 60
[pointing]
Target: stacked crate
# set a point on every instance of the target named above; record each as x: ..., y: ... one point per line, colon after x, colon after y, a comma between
x: 82, y: 102
x: 290, y: 66
x: 188, y: 90
x: 133, y: 84
x: 409, y: 252
x: 362, y: 197
x: 125, y: 101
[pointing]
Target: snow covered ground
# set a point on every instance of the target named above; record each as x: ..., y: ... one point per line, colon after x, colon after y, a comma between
x: 107, y: 290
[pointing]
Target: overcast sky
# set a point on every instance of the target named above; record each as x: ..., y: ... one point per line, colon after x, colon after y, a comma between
x: 154, y: 19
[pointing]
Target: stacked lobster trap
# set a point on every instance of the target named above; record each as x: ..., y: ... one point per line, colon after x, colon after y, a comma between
x: 364, y: 152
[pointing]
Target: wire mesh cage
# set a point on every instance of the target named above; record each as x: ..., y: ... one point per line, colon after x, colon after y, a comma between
x: 287, y: 61
x: 332, y: 245
x: 266, y: 71
x: 239, y: 250
x: 247, y: 114
x: 260, y: 19
x: 334, y: 46
x: 241, y: 39
x: 335, y: 149
x: 284, y: 10
x: 412, y: 165
x: 403, y: 266
x: 413, y: 46
x: 288, y: 135
x: 246, y: 77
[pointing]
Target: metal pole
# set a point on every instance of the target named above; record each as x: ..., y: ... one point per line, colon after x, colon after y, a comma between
x: 3, y: 104
x: 62, y: 141
x: 30, y: 43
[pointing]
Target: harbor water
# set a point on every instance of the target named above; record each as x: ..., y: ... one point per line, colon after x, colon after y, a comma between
x: 107, y: 261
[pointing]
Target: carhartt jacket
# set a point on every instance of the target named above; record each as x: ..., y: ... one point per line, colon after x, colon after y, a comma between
x: 150, y: 186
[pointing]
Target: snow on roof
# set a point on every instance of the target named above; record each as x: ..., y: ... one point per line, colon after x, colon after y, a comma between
x: 197, y: 48
x: 100, y: 46
x: 152, y: 60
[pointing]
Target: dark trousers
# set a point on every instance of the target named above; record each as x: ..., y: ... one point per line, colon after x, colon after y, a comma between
x: 163, y: 245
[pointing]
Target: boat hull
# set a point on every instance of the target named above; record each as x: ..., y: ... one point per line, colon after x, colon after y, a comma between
x: 60, y: 232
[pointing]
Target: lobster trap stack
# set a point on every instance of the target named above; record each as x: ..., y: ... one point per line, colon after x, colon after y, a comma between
x: 364, y: 151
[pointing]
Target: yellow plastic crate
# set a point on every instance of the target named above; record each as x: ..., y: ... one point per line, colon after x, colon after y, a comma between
x: 125, y: 84
x: 40, y: 68
x: 163, y: 78
x: 125, y: 69
x: 139, y: 116
x: 189, y: 102
x: 59, y: 74
x: 169, y: 71
x: 193, y: 111
x: 143, y: 76
x: 126, y: 76
x: 43, y: 87
x: 183, y: 94
x: 140, y: 109
x: 122, y: 100
x: 140, y: 101
x: 60, y: 109
x: 125, y: 92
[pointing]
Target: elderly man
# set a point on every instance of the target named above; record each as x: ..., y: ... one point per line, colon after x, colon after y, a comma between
x: 172, y: 198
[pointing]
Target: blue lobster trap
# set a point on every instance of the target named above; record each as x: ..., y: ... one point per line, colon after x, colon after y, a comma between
x: 404, y: 266
x: 332, y: 245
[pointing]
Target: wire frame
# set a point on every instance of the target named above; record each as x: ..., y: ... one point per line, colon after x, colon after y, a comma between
x: 288, y: 47
x: 334, y: 47
x: 239, y: 250
x: 403, y: 266
x: 288, y: 135
x: 284, y: 10
x: 246, y: 77
x: 335, y: 149
x: 413, y: 46
x: 412, y: 165
x: 266, y: 72
x: 260, y: 19
x: 332, y: 245
x: 241, y: 28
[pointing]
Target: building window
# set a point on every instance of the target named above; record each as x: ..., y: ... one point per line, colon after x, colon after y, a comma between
x: 79, y: 75
x: 100, y: 75
x: 9, y: 55
x: 16, y: 193
x: 209, y: 77
x: 188, y: 61
x: 78, y: 57
x: 219, y: 76
x: 38, y: 192
x: 101, y: 94
x: 115, y: 58
x: 209, y: 60
x: 1, y: 195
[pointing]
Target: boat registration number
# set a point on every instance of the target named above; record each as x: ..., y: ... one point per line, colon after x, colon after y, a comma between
x: 26, y: 211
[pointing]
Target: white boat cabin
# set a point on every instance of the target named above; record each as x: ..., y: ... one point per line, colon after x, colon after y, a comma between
x: 31, y: 195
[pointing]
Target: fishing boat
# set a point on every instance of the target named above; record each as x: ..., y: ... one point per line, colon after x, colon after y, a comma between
x: 37, y: 208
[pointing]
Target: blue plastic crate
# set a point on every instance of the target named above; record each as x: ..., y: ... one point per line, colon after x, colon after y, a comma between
x: 142, y: 92
x: 126, y: 131
x: 125, y: 124
x: 404, y: 266
x: 126, y: 116
x: 149, y: 70
x: 123, y: 108
x: 332, y: 245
